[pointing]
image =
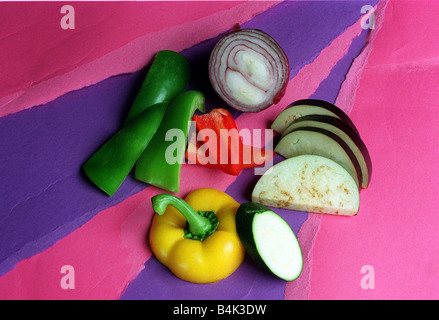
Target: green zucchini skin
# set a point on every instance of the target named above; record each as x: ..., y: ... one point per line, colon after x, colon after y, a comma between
x: 244, y: 227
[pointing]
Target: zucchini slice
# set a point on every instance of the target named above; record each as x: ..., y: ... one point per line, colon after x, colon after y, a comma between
x: 309, y: 183
x: 269, y: 240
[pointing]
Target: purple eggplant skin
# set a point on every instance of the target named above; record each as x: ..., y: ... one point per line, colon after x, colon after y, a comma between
x: 343, y: 144
x: 333, y: 124
x: 328, y: 106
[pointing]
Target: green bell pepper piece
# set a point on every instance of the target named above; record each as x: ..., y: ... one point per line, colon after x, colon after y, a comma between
x: 152, y: 166
x: 110, y: 165
x: 168, y: 76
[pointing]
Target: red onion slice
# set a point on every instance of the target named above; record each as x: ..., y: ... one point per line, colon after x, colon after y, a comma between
x: 249, y: 70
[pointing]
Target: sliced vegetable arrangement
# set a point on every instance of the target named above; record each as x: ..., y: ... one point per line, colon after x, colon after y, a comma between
x: 326, y: 162
x: 249, y: 70
x: 204, y: 237
x: 161, y: 113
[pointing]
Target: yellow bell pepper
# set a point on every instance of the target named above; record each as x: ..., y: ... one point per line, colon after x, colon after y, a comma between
x: 196, y: 238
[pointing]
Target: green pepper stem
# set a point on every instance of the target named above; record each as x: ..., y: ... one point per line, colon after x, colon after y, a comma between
x: 198, y: 225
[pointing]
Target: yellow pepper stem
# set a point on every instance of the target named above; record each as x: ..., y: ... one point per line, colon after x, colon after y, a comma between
x: 200, y: 225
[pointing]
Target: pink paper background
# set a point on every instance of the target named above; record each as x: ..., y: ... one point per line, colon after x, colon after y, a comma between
x: 395, y: 109
x: 128, y: 220
x: 82, y: 57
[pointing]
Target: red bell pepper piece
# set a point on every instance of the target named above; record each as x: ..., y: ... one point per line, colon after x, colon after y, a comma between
x: 226, y: 151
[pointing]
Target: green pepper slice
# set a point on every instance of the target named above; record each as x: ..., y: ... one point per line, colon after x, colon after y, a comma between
x: 110, y: 165
x: 153, y: 167
x: 168, y: 76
